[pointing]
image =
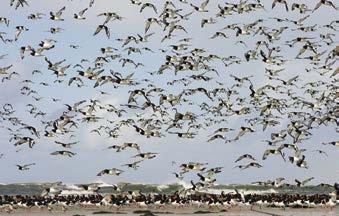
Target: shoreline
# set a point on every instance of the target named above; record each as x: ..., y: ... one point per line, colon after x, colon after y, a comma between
x: 163, y: 209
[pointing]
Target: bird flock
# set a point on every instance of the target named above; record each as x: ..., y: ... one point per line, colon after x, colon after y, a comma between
x: 275, y: 76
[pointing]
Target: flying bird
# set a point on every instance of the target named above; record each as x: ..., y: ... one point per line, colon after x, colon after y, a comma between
x: 57, y: 15
x: 24, y: 167
x: 102, y: 27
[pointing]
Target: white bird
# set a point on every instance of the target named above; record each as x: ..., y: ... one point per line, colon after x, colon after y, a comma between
x: 80, y: 15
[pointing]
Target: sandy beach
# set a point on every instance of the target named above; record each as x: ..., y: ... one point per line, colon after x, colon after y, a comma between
x: 169, y: 210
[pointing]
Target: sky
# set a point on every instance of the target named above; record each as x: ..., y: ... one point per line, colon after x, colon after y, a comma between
x: 92, y: 155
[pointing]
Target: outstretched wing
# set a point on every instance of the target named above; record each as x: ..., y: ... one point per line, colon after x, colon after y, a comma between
x: 99, y: 28
x: 60, y: 11
x: 307, y: 180
x: 83, y: 11
x: 204, y: 4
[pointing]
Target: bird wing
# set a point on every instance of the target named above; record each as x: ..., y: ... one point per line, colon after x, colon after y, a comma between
x: 307, y: 180
x: 154, y: 8
x: 60, y: 11
x: 298, y: 182
x: 286, y: 7
x: 27, y: 165
x: 239, y: 158
x: 273, y: 4
x: 17, y: 34
x: 204, y: 4
x: 142, y: 8
x: 317, y: 6
x: 246, y: 167
x: 91, y: 2
x: 266, y: 153
x: 108, y: 34
x: 241, y: 133
x: 83, y: 11
x: 332, y: 5
x: 99, y: 28
x: 55, y: 153
x: 102, y: 172
x: 147, y: 26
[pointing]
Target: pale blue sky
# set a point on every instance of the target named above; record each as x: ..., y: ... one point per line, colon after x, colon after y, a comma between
x: 91, y: 158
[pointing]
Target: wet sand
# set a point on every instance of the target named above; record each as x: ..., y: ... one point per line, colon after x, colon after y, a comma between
x: 167, y: 211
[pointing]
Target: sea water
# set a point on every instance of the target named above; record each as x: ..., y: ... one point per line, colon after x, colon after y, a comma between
x: 67, y: 189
